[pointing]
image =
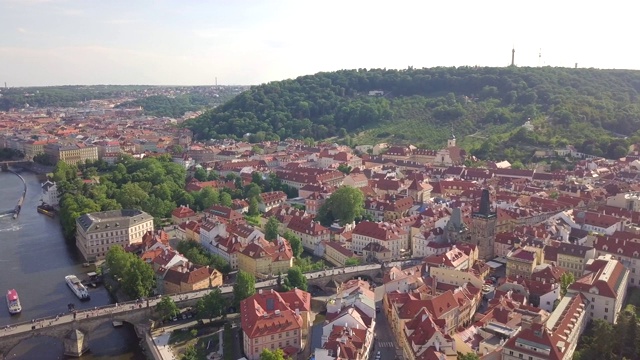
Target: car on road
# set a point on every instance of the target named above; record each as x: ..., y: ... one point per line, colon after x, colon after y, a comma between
x: 378, y: 355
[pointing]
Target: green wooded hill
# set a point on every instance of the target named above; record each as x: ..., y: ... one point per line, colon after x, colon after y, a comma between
x: 486, y: 108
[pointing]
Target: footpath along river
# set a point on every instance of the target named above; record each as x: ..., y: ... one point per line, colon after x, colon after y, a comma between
x: 34, y: 259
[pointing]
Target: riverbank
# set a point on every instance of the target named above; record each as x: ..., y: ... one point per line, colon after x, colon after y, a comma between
x: 36, y: 258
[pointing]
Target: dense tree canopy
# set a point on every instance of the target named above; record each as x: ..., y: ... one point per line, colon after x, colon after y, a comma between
x: 167, y: 308
x: 295, y: 279
x: 277, y: 354
x: 345, y: 205
x: 244, y: 287
x: 271, y: 229
x: 585, y: 107
x: 154, y: 185
x: 187, y: 98
x: 211, y: 305
x: 603, y: 341
x: 200, y: 256
x: 135, y: 276
x: 294, y: 241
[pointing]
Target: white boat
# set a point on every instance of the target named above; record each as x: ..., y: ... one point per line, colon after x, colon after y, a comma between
x: 76, y: 286
x: 117, y: 323
x: 13, y: 302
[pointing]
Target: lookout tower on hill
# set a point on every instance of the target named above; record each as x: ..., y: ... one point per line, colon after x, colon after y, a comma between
x: 513, y: 56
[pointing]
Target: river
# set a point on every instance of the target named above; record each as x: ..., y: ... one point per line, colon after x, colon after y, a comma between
x: 35, y: 258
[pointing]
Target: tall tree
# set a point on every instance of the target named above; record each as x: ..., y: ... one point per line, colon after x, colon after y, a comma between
x: 295, y: 279
x: 139, y: 279
x: 211, y: 305
x: 565, y: 280
x: 117, y: 261
x: 225, y: 199
x: 271, y: 229
x: 244, y: 287
x: 345, y: 205
x: 295, y: 242
x: 167, y: 308
x: 206, y: 198
x: 468, y: 356
x: 253, y: 207
x: 252, y: 191
x: 267, y: 354
x: 200, y: 174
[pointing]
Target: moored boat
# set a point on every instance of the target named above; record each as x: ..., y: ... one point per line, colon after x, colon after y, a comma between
x: 13, y: 302
x: 76, y: 286
x: 46, y: 209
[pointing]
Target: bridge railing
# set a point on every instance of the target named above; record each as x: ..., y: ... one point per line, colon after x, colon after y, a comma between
x: 120, y: 307
x: 181, y: 297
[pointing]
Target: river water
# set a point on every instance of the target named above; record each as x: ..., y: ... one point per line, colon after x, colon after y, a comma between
x: 34, y: 259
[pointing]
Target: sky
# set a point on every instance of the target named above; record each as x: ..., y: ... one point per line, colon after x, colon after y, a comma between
x: 246, y: 42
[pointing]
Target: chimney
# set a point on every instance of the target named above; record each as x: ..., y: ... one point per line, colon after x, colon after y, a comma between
x: 297, y: 312
x: 260, y: 291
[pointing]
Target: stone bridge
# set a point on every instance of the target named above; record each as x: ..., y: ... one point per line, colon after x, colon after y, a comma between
x: 4, y: 165
x: 325, y: 279
x: 75, y: 330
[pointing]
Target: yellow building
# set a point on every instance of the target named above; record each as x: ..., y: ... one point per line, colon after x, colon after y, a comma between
x: 263, y: 258
x: 574, y: 257
x: 33, y: 148
x: 181, y: 279
x: 72, y: 154
x: 522, y: 261
x: 337, y: 254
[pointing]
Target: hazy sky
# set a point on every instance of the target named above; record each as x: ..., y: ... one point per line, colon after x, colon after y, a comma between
x: 54, y: 42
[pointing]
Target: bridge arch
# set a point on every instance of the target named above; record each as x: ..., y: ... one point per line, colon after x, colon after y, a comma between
x: 119, y: 338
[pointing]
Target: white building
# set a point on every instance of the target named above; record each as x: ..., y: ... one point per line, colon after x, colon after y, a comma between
x: 50, y: 194
x: 629, y: 201
x: 97, y: 232
x: 605, y: 286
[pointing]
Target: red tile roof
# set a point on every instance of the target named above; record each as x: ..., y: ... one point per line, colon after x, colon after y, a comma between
x: 266, y: 312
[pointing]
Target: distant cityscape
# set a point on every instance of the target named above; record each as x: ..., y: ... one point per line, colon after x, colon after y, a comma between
x: 489, y: 261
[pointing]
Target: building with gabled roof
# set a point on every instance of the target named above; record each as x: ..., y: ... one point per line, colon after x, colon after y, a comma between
x: 190, y: 277
x: 423, y: 338
x: 311, y: 232
x: 268, y: 321
x: 604, y: 284
x: 387, y: 235
x: 183, y: 213
x: 97, y: 232
x: 536, y: 342
x: 270, y: 200
x: 224, y: 213
x: 346, y: 343
x: 263, y: 258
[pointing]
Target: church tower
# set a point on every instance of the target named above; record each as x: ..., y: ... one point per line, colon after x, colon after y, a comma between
x: 456, y: 230
x: 452, y: 141
x: 483, y: 233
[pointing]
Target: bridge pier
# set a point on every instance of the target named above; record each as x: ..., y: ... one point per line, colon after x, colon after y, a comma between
x: 75, y: 343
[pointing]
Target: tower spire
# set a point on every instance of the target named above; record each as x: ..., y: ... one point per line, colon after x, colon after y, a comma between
x: 513, y: 56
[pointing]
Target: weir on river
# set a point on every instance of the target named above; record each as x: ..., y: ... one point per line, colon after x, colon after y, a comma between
x: 16, y: 210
